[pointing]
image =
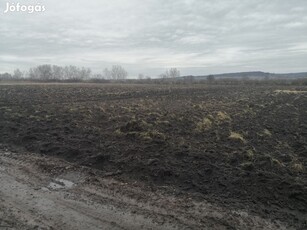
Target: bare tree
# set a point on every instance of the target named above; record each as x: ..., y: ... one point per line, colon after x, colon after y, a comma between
x: 34, y: 74
x: 107, y: 73
x: 98, y: 76
x: 70, y: 72
x: 57, y: 72
x: 5, y: 76
x: 45, y: 72
x: 173, y: 73
x: 84, y: 73
x: 118, y: 72
x: 17, y: 74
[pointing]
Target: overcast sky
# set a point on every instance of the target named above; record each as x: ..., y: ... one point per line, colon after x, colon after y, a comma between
x: 148, y: 36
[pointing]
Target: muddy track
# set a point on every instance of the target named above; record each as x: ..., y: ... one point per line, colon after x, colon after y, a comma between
x: 47, y: 193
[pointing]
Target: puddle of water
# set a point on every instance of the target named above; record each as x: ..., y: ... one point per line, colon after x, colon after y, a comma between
x: 60, y: 184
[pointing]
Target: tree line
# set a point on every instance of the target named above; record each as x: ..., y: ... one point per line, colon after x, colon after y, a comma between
x: 73, y: 73
x: 66, y: 73
x: 49, y: 73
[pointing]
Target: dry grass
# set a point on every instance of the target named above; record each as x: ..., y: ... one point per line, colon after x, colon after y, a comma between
x: 203, y: 125
x: 198, y: 106
x: 267, y: 132
x: 276, y: 162
x: 250, y: 154
x: 223, y: 116
x: 290, y: 91
x: 237, y: 136
x: 297, y: 167
x: 154, y: 134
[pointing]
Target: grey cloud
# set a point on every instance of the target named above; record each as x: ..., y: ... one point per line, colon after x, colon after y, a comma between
x: 198, y: 37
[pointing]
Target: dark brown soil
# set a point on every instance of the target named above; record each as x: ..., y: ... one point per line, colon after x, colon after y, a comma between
x: 240, y: 146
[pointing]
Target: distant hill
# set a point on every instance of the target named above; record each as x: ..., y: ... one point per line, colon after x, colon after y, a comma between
x: 253, y: 75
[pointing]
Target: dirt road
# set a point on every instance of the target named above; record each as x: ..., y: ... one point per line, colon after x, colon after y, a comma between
x: 39, y: 192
